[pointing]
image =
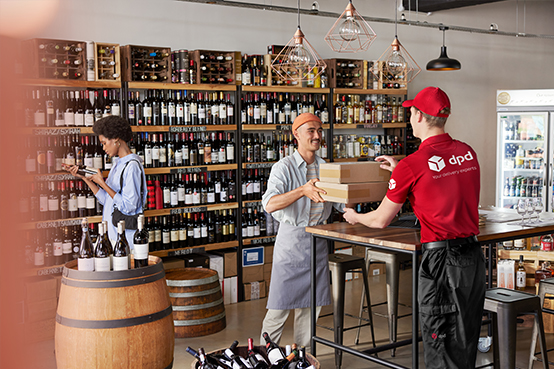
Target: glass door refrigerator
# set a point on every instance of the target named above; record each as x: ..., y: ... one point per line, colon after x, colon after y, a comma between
x: 525, y: 155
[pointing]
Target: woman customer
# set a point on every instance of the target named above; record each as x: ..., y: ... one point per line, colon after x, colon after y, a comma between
x: 123, y: 193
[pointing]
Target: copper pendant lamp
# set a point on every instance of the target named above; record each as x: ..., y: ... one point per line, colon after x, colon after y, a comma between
x: 350, y: 33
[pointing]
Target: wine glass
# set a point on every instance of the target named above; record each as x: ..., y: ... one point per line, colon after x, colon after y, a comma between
x: 539, y: 206
x: 530, y: 209
x: 521, y: 209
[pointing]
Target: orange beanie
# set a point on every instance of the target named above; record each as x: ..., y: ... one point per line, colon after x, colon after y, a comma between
x: 304, y: 118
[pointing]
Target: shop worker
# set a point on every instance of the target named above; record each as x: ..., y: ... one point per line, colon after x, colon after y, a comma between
x: 441, y: 180
x: 294, y: 201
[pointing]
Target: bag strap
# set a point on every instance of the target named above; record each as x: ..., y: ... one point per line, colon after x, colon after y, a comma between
x: 141, y: 182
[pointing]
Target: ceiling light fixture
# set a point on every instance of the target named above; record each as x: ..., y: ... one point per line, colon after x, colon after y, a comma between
x: 350, y: 33
x: 443, y: 62
x: 396, y: 65
x: 298, y: 61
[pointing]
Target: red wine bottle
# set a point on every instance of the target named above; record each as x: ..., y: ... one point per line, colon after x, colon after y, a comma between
x: 84, y: 171
x: 256, y: 360
x: 211, y: 359
x: 86, y: 253
x: 235, y: 360
x: 102, y: 252
x: 140, y: 242
x: 120, y: 252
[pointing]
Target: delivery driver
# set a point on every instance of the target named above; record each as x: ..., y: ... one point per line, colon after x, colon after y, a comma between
x: 294, y: 201
x: 441, y: 180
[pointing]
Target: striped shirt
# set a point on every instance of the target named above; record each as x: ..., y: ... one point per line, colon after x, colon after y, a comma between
x: 316, y: 208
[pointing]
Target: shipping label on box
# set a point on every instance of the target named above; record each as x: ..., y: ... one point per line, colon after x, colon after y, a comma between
x: 353, y: 193
x: 376, y: 269
x: 254, y: 290
x: 253, y: 256
x: 356, y: 172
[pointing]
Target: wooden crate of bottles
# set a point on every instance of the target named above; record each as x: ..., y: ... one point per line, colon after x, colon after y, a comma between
x: 214, y: 67
x: 107, y: 62
x: 146, y: 63
x: 272, y: 77
x: 54, y: 59
x: 346, y: 73
x: 386, y: 79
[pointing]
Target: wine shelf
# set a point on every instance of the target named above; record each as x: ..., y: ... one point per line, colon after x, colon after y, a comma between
x: 191, y: 209
x: 367, y: 126
x: 361, y: 91
x: 306, y: 90
x: 71, y: 84
x: 198, y: 248
x: 178, y: 86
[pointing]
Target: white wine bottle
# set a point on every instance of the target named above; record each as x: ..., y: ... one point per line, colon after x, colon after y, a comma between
x: 102, y: 252
x: 140, y: 242
x: 86, y: 252
x: 121, y: 249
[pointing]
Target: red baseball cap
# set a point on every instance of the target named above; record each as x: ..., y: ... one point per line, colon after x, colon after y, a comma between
x: 430, y: 100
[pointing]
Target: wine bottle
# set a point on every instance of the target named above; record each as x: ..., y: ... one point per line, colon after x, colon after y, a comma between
x: 234, y: 359
x: 83, y: 170
x: 303, y: 362
x: 120, y: 252
x: 86, y: 252
x: 211, y: 360
x: 256, y: 360
x: 140, y: 242
x: 101, y: 252
x: 274, y: 352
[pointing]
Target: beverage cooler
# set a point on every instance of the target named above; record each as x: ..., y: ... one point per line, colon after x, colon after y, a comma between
x: 525, y: 146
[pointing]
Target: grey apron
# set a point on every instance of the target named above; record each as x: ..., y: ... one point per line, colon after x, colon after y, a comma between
x: 290, y: 275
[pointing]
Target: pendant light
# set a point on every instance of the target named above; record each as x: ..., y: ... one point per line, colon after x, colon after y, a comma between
x: 396, y: 66
x: 350, y: 33
x: 298, y: 61
x: 443, y: 62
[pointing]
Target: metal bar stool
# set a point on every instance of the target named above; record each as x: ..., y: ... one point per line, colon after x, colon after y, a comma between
x: 546, y: 286
x: 392, y: 263
x: 506, y: 304
x: 339, y: 265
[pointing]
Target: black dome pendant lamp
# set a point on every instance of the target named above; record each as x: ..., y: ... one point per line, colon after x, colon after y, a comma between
x: 443, y: 62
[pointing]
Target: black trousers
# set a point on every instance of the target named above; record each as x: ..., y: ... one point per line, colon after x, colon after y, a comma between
x: 451, y: 295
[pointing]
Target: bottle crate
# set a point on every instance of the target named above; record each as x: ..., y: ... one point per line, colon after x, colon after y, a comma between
x: 386, y: 79
x: 146, y: 63
x: 54, y: 59
x: 346, y: 73
x: 214, y: 67
x: 105, y: 60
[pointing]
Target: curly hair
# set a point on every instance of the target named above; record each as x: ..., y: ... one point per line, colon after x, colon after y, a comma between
x: 113, y: 127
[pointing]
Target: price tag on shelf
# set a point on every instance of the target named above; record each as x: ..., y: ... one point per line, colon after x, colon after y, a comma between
x: 59, y: 223
x: 259, y: 165
x: 57, y: 132
x: 283, y: 127
x: 189, y: 170
x: 197, y: 209
x: 186, y: 251
x: 179, y: 129
x: 263, y: 240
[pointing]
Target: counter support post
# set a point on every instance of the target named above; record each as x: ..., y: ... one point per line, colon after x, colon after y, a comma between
x: 415, y: 310
x: 312, y: 294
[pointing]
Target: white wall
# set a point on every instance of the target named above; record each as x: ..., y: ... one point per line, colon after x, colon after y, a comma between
x: 488, y: 62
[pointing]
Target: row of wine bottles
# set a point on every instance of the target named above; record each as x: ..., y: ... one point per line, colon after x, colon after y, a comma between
x: 103, y: 256
x: 349, y: 109
x: 366, y: 146
x: 64, y: 108
x: 272, y: 357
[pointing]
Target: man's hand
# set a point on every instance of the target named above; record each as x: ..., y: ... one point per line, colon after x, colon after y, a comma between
x: 388, y: 162
x: 312, y: 192
x: 350, y: 215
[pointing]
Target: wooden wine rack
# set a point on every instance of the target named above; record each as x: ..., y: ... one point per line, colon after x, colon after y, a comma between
x: 338, y: 68
x: 55, y: 59
x: 107, y: 62
x: 131, y: 54
x: 208, y: 59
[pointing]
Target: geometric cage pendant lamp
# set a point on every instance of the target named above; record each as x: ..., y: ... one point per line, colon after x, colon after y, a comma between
x: 298, y: 61
x: 350, y: 33
x: 443, y: 62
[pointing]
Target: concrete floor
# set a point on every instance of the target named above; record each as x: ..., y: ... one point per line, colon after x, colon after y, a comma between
x: 244, y: 320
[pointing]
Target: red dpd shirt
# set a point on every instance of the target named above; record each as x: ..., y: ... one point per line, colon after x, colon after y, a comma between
x: 442, y: 181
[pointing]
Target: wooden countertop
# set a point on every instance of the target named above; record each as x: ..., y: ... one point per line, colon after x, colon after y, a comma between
x: 408, y: 239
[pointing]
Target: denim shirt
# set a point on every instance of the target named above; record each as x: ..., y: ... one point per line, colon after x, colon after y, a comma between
x: 286, y: 175
x: 128, y: 200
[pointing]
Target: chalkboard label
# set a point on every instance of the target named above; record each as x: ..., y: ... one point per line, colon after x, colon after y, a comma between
x: 186, y: 251
x: 179, y: 129
x: 197, y: 209
x: 263, y: 240
x: 189, y: 170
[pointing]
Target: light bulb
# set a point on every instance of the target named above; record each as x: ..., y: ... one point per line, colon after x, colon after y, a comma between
x: 300, y: 56
x: 396, y: 64
x: 349, y: 29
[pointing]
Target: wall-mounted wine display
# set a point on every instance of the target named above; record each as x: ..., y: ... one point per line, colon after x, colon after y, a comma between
x: 107, y: 62
x: 146, y: 63
x: 214, y: 67
x: 55, y: 59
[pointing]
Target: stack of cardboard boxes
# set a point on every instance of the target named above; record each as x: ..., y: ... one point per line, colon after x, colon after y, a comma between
x: 39, y: 306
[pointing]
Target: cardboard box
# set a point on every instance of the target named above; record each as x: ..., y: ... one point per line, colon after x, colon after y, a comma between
x: 252, y: 273
x: 230, y: 264
x: 353, y: 193
x: 173, y: 263
x: 41, y: 310
x: 41, y: 330
x: 359, y: 251
x: 268, y: 254
x: 40, y: 288
x: 254, y: 290
x: 267, y: 271
x: 355, y: 172
x: 349, y: 275
x: 216, y: 263
x: 196, y: 261
x: 377, y: 269
x: 229, y: 288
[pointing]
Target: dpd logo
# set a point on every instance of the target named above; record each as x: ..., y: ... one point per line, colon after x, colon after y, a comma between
x: 392, y: 184
x: 436, y: 163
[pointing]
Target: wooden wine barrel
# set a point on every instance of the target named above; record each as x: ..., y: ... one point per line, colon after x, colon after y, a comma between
x: 117, y: 319
x: 197, y: 301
